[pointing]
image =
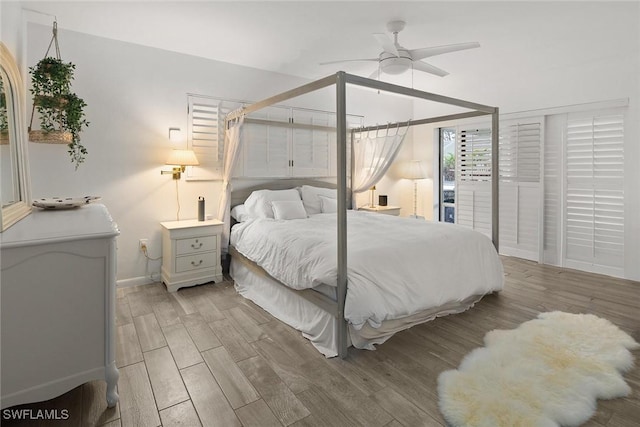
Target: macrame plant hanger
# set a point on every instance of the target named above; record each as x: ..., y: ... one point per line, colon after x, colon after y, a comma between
x: 49, y: 137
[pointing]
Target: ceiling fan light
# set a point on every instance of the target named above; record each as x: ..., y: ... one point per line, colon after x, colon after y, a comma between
x: 395, y: 65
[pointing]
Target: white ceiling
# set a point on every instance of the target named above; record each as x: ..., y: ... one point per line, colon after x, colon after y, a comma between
x: 292, y: 37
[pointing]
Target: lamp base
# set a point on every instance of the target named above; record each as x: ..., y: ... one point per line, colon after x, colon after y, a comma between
x: 415, y: 216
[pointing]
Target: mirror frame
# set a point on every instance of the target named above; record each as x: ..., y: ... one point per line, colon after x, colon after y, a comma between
x: 18, y: 138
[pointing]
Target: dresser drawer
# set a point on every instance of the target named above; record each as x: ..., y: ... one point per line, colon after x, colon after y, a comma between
x: 195, y: 244
x: 195, y: 262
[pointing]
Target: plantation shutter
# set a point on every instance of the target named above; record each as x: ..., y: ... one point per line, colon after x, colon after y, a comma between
x: 473, y: 179
x: 206, y: 134
x: 310, y: 147
x: 265, y: 147
x: 594, y: 210
x: 520, y: 190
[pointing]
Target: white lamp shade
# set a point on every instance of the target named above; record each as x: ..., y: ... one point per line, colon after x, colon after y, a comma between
x: 414, y: 169
x: 182, y: 158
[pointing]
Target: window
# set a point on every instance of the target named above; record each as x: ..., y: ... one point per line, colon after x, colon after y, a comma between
x: 448, y: 174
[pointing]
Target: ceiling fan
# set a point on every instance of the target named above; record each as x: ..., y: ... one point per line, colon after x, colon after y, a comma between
x: 395, y: 59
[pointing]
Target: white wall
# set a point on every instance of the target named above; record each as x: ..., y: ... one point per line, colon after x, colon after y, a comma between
x: 10, y: 19
x: 603, y: 65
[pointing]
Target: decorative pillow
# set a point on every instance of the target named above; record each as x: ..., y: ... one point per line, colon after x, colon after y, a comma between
x: 258, y: 204
x: 311, y: 197
x: 287, y: 209
x: 328, y: 205
x: 239, y: 212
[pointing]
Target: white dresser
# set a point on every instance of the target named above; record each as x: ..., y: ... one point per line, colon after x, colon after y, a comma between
x: 58, y: 304
x: 190, y: 253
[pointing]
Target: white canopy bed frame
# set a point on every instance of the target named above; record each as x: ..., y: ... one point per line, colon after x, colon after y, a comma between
x: 341, y: 80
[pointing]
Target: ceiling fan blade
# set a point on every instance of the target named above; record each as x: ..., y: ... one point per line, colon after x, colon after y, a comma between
x: 386, y: 43
x: 426, y: 52
x: 349, y: 60
x: 428, y: 68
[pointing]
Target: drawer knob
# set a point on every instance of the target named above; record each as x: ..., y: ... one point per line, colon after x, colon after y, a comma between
x: 195, y: 264
x: 196, y: 247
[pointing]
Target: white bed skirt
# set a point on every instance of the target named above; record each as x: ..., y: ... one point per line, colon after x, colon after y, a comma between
x: 317, y: 325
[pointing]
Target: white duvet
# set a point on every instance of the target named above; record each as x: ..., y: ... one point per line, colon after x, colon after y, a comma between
x: 396, y: 266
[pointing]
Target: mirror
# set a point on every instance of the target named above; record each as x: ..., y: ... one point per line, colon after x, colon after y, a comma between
x: 14, y: 173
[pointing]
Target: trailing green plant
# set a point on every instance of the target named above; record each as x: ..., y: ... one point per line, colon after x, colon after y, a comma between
x: 4, y: 120
x: 59, y: 109
x: 51, y: 77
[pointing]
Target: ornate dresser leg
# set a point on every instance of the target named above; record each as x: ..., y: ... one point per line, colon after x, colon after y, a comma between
x: 111, y: 377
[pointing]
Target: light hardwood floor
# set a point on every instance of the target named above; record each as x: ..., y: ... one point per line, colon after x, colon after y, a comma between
x: 206, y: 356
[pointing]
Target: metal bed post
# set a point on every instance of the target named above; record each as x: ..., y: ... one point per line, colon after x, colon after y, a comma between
x: 495, y: 179
x: 341, y: 138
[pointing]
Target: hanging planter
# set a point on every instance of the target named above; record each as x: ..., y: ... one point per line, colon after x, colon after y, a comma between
x: 61, y: 112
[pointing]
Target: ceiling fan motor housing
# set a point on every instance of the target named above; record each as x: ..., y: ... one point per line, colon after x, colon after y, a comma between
x: 392, y: 64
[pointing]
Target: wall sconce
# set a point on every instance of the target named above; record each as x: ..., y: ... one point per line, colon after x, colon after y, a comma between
x: 180, y: 159
x: 175, y: 135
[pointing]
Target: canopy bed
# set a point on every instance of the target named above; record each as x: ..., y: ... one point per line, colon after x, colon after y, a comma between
x: 305, y: 298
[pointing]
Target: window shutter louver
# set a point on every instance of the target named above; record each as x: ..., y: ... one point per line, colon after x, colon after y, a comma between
x: 473, y: 179
x: 474, y: 155
x: 519, y: 162
x: 594, y: 218
x: 266, y: 147
x: 311, y: 146
x: 206, y: 134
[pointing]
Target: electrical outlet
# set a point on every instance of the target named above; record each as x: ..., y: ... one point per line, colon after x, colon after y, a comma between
x: 143, y: 245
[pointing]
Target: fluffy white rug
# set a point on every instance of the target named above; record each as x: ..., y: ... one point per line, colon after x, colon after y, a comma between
x: 546, y: 373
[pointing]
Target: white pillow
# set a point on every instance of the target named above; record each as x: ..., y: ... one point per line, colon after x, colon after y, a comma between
x: 239, y: 212
x: 328, y: 205
x: 258, y: 204
x: 311, y: 197
x: 288, y: 209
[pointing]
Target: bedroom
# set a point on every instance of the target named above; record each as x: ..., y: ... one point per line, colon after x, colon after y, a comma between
x: 130, y: 116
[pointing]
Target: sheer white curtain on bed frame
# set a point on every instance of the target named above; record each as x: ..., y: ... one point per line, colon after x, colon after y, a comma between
x: 373, y: 154
x: 231, y: 152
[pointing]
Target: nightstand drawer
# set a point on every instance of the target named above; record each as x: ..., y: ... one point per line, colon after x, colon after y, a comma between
x: 195, y: 244
x: 195, y: 262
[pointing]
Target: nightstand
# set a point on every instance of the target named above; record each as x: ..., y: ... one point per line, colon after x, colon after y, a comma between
x: 190, y: 253
x: 387, y: 210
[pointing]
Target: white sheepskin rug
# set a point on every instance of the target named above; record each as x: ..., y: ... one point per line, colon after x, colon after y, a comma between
x: 548, y: 372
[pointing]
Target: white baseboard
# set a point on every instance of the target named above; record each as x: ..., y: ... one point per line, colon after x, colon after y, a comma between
x: 134, y: 281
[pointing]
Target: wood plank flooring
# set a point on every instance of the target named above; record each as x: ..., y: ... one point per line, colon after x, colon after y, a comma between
x: 206, y: 356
